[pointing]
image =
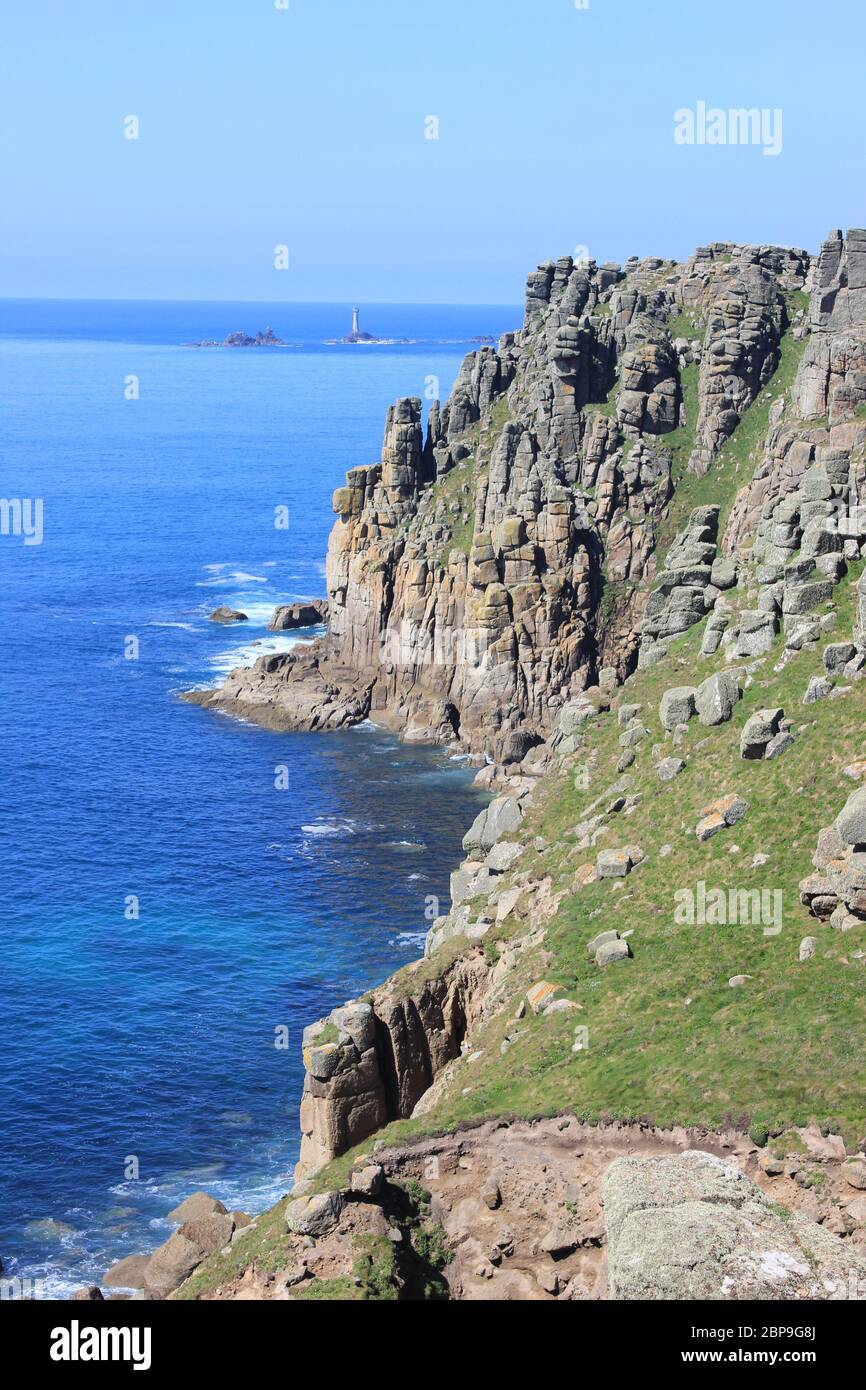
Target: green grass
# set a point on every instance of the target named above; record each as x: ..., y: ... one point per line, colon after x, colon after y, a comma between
x: 342, y: 1290
x: 685, y: 325
x: 608, y: 405
x: 448, y: 490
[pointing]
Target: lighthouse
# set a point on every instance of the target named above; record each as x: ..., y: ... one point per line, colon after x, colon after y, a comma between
x: 356, y: 329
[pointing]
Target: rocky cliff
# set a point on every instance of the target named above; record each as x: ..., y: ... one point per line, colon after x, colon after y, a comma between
x: 483, y: 573
x: 609, y: 569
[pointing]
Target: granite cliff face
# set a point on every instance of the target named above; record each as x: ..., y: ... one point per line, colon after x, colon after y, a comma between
x: 484, y: 573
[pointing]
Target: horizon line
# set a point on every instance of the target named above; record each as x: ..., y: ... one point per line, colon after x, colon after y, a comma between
x: 337, y: 303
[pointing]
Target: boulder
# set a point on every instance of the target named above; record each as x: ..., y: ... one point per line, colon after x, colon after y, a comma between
x: 854, y: 1173
x: 778, y: 745
x: 836, y: 657
x: 626, y: 713
x: 758, y: 730
x: 172, y: 1263
x: 724, y: 573
x: 612, y: 951
x: 491, y: 1194
x: 719, y: 814
x: 502, y: 817
x: 128, y: 1273
x: 716, y: 696
x: 677, y: 706
x: 690, y: 1227
x: 803, y: 598
x: 808, y: 947
x: 603, y: 939
x: 289, y: 616
x: 207, y: 1233
x: 851, y: 820
x: 199, y: 1204
x: 819, y: 688
x: 756, y: 633
x: 503, y: 856
x: 367, y: 1181
x: 613, y: 863
x: 357, y: 1023
x: 541, y: 995
x: 316, y: 1215
x: 323, y: 1062
x: 669, y: 768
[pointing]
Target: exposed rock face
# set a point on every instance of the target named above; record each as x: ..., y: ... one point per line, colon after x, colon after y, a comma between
x: 691, y: 1226
x: 809, y: 490
x: 480, y: 576
x: 684, y: 591
x: 385, y: 1057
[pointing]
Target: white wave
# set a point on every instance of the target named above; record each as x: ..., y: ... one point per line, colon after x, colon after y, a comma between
x: 404, y: 939
x: 328, y: 828
x: 257, y: 612
x: 235, y: 577
x: 185, y: 627
x: 250, y: 652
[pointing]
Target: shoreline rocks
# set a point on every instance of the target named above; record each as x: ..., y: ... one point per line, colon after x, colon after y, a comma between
x: 289, y: 616
x: 204, y: 1227
x: 224, y: 614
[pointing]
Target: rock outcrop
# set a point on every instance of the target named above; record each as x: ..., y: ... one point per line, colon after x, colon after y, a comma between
x: 369, y: 1063
x: 289, y: 616
x: 691, y: 1226
x: 836, y: 892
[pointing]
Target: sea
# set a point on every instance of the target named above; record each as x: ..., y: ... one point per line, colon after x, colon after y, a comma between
x: 181, y: 892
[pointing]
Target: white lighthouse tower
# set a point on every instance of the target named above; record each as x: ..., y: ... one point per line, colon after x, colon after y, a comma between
x: 356, y: 328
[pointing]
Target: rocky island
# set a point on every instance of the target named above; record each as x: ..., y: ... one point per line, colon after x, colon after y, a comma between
x: 621, y: 570
x: 263, y: 338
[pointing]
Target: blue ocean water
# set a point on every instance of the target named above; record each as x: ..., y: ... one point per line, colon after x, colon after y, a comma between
x: 149, y: 1042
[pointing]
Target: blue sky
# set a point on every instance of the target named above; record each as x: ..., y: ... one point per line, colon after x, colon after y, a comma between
x: 306, y: 127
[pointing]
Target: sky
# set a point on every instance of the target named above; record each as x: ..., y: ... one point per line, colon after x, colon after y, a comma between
x: 306, y: 124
